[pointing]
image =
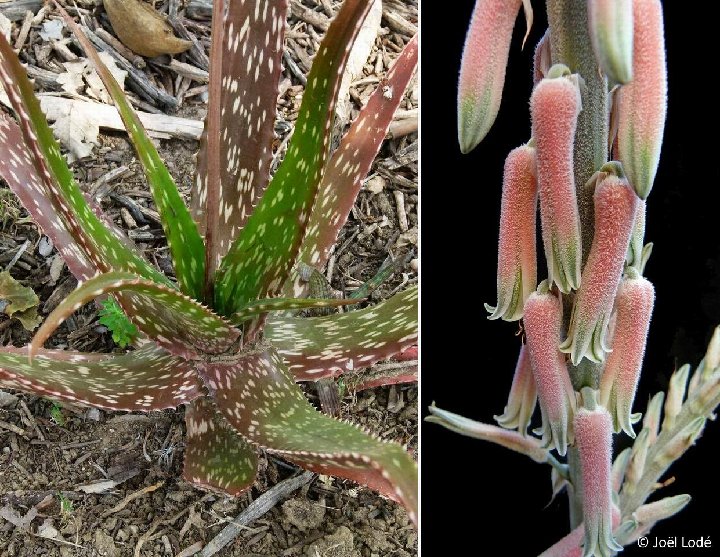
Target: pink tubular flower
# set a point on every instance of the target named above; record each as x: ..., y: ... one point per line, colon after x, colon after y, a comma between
x: 523, y: 396
x: 543, y: 323
x: 593, y: 436
x: 615, y: 205
x: 482, y: 70
x: 610, y: 24
x: 517, y: 264
x: 643, y: 102
x: 634, y: 304
x: 555, y: 105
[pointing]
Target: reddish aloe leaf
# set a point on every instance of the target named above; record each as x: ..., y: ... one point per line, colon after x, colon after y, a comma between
x: 236, y: 146
x: 17, y: 168
x: 186, y: 245
x: 216, y: 457
x: 146, y: 379
x: 100, y: 245
x: 177, y: 323
x: 316, y: 347
x: 286, y: 304
x: 259, y: 260
x: 257, y: 395
x: 351, y: 162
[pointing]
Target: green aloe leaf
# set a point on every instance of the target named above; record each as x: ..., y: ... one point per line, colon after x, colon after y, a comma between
x: 177, y: 323
x: 316, y: 347
x: 236, y: 145
x: 18, y: 170
x: 258, y: 396
x: 146, y: 379
x: 286, y: 304
x: 351, y: 162
x: 186, y: 244
x: 261, y: 257
x: 216, y: 457
x: 98, y: 243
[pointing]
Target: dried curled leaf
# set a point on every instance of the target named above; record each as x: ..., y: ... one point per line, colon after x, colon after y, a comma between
x: 143, y: 29
x: 18, y: 301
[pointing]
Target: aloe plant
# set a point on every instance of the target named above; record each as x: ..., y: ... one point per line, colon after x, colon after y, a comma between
x: 597, y: 112
x: 220, y: 339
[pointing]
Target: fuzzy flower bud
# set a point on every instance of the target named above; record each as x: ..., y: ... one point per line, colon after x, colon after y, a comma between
x: 615, y: 204
x: 482, y: 70
x: 634, y: 305
x: 543, y: 323
x: 593, y: 436
x: 610, y: 24
x: 643, y: 102
x: 517, y: 260
x: 555, y: 105
x: 523, y: 396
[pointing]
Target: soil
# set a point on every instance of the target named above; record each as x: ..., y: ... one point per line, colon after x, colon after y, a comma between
x: 81, y: 482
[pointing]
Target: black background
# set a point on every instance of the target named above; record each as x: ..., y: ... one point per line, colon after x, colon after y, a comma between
x: 475, y: 495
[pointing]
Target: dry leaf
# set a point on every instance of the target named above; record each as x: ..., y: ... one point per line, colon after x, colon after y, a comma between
x: 82, y: 73
x: 52, y: 30
x: 361, y: 50
x: 143, y: 29
x: 78, y: 131
x: 18, y: 301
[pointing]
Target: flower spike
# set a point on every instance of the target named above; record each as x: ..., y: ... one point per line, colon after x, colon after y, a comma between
x: 543, y: 323
x: 482, y: 71
x: 634, y: 304
x: 642, y: 104
x: 555, y: 105
x: 517, y: 260
x: 615, y: 205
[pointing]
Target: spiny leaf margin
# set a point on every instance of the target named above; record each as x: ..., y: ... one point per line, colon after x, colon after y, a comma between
x: 318, y: 347
x: 177, y: 323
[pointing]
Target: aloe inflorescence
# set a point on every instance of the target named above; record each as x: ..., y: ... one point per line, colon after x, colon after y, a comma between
x: 222, y: 338
x: 598, y: 113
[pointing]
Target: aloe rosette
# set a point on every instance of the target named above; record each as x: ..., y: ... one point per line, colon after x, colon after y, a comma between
x: 219, y: 339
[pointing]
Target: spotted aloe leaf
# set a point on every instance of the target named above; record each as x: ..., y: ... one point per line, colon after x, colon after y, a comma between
x: 216, y: 457
x: 351, y: 162
x: 18, y: 170
x: 98, y: 244
x: 286, y: 304
x: 236, y: 145
x: 257, y: 395
x: 177, y: 323
x: 316, y: 347
x: 147, y: 379
x: 260, y: 258
x: 251, y: 395
x: 184, y: 240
